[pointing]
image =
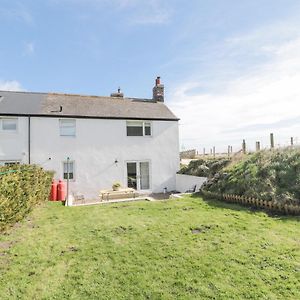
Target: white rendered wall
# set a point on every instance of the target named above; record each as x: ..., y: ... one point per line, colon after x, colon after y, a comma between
x: 187, y: 182
x: 14, y: 145
x: 98, y: 143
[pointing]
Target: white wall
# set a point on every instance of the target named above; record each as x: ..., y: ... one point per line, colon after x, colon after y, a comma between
x: 98, y: 143
x: 187, y: 182
x: 14, y: 145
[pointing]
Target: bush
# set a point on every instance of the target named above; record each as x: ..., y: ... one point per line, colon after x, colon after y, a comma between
x: 205, y: 167
x: 266, y: 175
x: 21, y: 188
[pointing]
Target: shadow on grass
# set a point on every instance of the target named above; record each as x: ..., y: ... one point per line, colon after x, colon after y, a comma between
x: 249, y: 209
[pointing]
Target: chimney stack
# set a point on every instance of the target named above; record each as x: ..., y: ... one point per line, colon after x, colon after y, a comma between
x: 158, y: 91
x: 118, y: 94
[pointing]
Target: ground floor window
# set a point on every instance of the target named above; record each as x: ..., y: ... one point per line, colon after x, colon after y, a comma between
x: 9, y: 162
x: 68, y: 168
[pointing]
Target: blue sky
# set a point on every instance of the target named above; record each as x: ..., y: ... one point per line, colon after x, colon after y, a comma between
x: 231, y: 68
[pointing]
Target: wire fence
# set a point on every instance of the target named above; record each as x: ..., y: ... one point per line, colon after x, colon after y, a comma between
x: 244, y: 148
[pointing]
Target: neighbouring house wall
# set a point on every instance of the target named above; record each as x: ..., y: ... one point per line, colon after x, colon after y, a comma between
x: 98, y: 143
x: 187, y: 182
x: 14, y: 145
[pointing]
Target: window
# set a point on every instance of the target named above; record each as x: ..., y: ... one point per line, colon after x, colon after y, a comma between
x: 8, y: 124
x: 147, y: 128
x: 68, y: 166
x: 9, y: 162
x: 138, y: 128
x: 67, y: 127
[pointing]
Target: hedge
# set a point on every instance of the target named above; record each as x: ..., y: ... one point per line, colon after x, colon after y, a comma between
x: 21, y: 188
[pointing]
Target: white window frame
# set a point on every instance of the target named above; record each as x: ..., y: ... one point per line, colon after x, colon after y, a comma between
x: 143, y: 126
x: 63, y: 170
x: 9, y: 130
x: 61, y: 121
x: 138, y: 173
x: 10, y: 161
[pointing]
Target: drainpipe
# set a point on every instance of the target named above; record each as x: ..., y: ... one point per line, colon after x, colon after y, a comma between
x: 68, y: 178
x: 29, y: 144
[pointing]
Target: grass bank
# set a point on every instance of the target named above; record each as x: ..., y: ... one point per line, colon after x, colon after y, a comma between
x: 177, y: 249
x: 266, y: 175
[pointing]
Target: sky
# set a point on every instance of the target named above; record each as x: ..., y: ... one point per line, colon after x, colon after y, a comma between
x: 231, y: 68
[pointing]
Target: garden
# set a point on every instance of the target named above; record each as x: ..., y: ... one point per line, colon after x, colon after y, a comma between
x: 188, y: 248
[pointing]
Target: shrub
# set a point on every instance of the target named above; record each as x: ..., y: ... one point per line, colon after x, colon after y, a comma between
x: 21, y: 188
x: 205, y: 167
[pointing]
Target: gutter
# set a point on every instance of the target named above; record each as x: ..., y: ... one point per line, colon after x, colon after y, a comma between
x: 87, y: 117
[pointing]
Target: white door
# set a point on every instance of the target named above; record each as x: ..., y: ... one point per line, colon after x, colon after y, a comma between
x: 138, y: 175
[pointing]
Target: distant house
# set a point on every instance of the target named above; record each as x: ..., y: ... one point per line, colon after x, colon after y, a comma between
x: 94, y: 140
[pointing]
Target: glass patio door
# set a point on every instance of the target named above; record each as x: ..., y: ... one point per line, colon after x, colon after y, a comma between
x: 144, y: 176
x: 138, y: 175
x: 132, y: 175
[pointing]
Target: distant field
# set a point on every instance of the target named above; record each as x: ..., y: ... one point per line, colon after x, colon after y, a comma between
x: 176, y: 249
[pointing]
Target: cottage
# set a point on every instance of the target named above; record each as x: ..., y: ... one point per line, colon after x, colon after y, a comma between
x: 93, y: 140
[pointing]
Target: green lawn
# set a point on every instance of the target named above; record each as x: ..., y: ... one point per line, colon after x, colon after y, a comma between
x: 176, y: 249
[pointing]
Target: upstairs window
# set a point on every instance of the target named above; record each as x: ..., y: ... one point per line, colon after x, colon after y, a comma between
x: 67, y: 127
x: 8, y: 124
x: 139, y: 128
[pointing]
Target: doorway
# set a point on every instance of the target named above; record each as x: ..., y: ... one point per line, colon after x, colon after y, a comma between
x: 138, y: 175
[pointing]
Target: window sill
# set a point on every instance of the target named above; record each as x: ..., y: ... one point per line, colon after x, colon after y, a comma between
x: 139, y: 136
x: 8, y: 131
x: 68, y: 136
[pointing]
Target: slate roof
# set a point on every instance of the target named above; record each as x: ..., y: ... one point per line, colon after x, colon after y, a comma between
x: 80, y: 106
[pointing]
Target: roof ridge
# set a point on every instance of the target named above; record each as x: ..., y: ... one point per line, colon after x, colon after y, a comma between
x: 77, y: 95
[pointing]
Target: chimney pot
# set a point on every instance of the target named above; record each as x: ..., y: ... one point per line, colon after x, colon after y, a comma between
x: 157, y: 81
x: 118, y: 94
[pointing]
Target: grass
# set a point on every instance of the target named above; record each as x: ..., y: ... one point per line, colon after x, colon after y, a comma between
x: 176, y: 249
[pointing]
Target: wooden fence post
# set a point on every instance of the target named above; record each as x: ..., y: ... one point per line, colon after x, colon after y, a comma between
x: 272, y: 140
x: 244, y: 146
x: 257, y: 146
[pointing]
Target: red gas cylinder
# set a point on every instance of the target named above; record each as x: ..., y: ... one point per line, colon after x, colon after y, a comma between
x: 61, y: 191
x: 53, y: 192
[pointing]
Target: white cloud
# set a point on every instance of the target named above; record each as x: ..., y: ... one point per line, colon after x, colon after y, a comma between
x: 29, y: 48
x: 10, y: 85
x: 263, y: 100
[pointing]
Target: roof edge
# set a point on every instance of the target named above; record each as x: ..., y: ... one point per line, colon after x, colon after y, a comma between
x: 87, y: 117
